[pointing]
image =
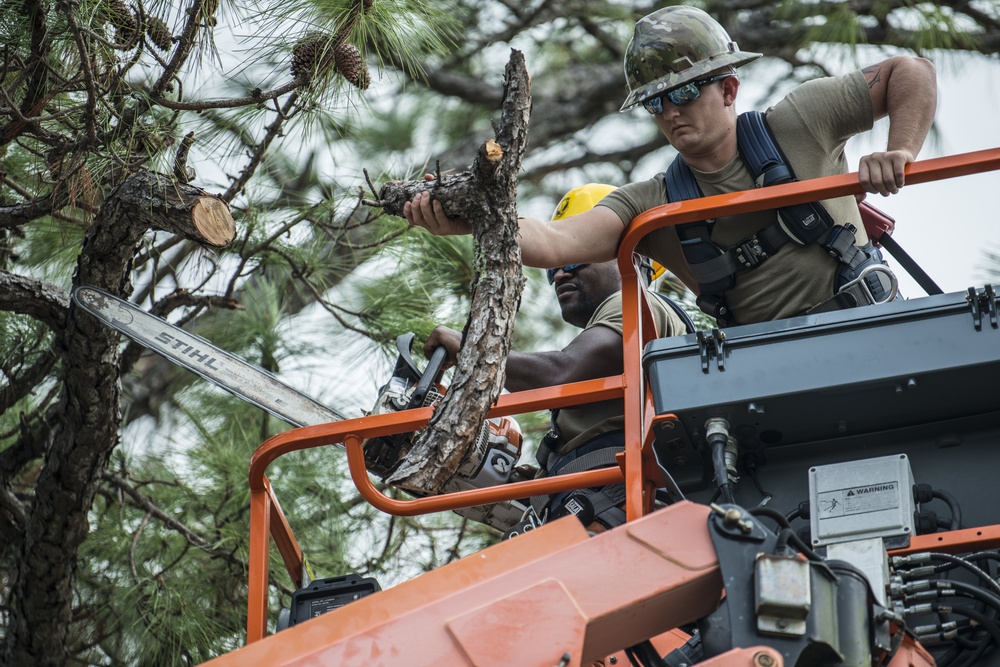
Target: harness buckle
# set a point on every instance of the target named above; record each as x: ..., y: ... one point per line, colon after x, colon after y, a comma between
x: 861, y: 288
x: 749, y: 252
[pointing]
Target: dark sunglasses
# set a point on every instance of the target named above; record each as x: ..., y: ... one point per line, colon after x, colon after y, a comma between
x: 551, y: 273
x: 680, y: 96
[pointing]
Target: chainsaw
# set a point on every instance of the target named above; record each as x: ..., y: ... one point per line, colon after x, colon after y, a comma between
x: 489, y: 461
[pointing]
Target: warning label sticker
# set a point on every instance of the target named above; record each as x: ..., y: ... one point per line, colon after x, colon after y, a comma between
x: 859, y: 500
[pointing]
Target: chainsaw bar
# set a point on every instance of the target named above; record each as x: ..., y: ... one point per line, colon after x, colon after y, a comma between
x: 223, y: 369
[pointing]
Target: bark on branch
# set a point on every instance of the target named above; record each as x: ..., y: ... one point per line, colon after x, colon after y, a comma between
x: 485, y: 196
x: 163, y: 203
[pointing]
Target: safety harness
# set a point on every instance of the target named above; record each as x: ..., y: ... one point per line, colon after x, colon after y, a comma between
x: 862, y: 278
x: 601, y: 504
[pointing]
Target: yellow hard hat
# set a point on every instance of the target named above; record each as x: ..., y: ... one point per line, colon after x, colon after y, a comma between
x: 582, y: 199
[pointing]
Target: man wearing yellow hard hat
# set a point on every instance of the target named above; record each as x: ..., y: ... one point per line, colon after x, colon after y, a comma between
x: 587, y: 437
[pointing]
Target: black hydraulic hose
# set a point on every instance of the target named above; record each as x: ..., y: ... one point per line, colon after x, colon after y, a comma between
x: 981, y: 594
x: 983, y: 555
x: 948, y: 658
x: 963, y: 563
x: 717, y: 445
x: 983, y: 620
x: 949, y: 589
x: 771, y: 513
x: 974, y: 655
x: 789, y: 536
x: 956, y: 511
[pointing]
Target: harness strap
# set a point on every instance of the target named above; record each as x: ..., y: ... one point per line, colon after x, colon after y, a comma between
x: 589, y: 461
x: 588, y: 505
x: 681, y: 185
x: 759, y: 151
x: 601, y: 458
x: 715, y: 268
x: 596, y: 504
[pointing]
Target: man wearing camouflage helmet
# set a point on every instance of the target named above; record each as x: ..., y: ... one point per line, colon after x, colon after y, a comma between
x: 681, y: 67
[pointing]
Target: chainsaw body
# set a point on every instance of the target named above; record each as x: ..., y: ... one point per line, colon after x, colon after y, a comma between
x: 489, y: 461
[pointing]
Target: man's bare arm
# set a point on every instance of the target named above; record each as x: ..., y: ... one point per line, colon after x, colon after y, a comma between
x: 595, y: 353
x: 905, y: 90
x: 592, y: 236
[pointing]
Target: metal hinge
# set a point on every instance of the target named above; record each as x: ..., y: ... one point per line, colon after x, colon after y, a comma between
x: 983, y: 302
x: 712, y: 344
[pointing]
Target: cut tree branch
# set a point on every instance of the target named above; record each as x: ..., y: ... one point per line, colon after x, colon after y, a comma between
x: 485, y: 196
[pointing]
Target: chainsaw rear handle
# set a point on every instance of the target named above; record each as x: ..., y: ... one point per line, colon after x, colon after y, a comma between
x: 430, y: 375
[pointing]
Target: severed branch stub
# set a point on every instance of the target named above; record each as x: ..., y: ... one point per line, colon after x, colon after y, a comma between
x: 486, y: 197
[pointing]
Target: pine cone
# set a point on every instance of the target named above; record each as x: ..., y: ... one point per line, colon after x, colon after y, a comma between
x: 351, y: 64
x: 126, y: 26
x: 159, y: 34
x: 206, y: 11
x: 310, y: 55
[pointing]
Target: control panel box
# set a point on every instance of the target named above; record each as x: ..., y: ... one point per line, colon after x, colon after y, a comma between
x: 863, y: 499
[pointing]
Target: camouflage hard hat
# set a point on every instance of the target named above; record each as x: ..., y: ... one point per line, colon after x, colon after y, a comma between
x: 673, y: 46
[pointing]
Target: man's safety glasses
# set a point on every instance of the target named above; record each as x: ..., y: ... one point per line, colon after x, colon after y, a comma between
x: 551, y: 273
x: 689, y: 92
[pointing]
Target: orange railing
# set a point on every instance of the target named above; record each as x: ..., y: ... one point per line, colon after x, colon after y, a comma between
x: 267, y: 521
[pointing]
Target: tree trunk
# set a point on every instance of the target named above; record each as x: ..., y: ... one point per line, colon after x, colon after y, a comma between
x: 486, y: 197
x: 84, y: 424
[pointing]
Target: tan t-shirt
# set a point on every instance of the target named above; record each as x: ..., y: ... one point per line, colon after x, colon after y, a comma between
x: 811, y: 125
x: 578, y: 425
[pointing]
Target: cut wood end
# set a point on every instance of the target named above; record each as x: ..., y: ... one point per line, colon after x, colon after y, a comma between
x: 215, y: 224
x: 493, y: 151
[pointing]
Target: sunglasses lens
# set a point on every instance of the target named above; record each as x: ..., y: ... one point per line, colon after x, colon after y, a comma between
x: 689, y: 92
x: 654, y: 105
x: 551, y: 273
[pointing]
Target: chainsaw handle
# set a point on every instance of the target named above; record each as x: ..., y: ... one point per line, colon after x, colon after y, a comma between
x: 430, y: 375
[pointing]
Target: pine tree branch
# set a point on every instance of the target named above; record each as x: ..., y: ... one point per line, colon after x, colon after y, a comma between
x: 35, y: 94
x: 272, y: 132
x: 25, y: 212
x: 85, y: 60
x: 147, y: 505
x: 46, y: 303
x: 185, y: 43
x: 85, y: 431
x: 23, y: 384
x: 256, y: 96
x: 486, y: 197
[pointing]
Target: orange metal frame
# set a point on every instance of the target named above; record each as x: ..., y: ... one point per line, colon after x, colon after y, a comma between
x: 636, y: 466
